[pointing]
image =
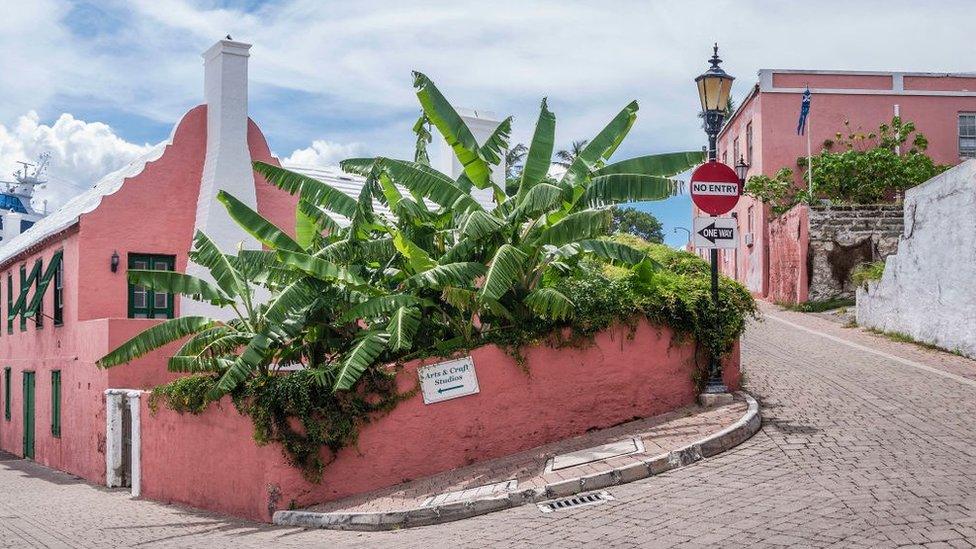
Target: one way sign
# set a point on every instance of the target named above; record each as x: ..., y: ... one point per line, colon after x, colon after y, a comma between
x: 716, y: 232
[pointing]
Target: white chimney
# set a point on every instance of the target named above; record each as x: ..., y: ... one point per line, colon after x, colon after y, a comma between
x: 227, y: 165
x: 481, y: 124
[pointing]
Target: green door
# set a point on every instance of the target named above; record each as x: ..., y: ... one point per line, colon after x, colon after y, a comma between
x: 29, y: 415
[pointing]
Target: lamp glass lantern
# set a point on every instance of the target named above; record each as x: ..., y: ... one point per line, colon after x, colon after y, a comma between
x: 714, y: 85
x: 741, y: 168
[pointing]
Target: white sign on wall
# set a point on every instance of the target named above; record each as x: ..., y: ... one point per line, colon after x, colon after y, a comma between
x: 447, y: 380
x: 716, y: 232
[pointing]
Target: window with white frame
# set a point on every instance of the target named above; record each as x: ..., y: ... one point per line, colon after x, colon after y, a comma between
x: 967, y: 135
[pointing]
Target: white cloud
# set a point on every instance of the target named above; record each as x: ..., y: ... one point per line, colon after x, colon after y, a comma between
x: 325, y: 153
x: 81, y: 152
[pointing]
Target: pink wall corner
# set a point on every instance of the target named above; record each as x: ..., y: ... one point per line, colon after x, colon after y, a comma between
x: 788, y: 248
x: 273, y: 203
x: 216, y: 465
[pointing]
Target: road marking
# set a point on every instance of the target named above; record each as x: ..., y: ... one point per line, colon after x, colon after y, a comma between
x: 898, y: 359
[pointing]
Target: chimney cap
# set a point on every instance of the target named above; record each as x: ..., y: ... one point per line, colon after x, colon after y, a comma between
x: 230, y: 47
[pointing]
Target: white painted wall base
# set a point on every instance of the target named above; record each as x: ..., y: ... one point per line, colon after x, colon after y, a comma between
x: 115, y: 401
x: 927, y: 290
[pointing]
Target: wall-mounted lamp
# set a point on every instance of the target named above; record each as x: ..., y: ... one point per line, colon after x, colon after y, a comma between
x: 741, y: 169
x: 115, y: 261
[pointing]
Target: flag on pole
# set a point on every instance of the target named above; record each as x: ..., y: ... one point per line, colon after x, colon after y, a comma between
x: 804, y: 111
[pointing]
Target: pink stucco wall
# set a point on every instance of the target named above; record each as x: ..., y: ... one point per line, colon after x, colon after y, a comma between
x: 789, y: 236
x: 871, y: 100
x: 211, y: 461
x: 153, y: 212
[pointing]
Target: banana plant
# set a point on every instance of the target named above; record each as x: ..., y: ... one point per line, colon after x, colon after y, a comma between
x: 354, y: 289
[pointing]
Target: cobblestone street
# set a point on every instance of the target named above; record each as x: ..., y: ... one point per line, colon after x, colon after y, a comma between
x: 865, y: 443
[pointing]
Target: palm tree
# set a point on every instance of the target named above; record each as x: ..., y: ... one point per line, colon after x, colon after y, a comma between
x: 567, y: 157
x: 513, y: 161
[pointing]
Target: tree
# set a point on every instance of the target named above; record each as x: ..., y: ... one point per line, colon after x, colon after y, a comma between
x: 514, y: 159
x: 638, y: 223
x: 567, y: 157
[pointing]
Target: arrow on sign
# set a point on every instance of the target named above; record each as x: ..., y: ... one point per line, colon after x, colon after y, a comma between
x: 711, y: 233
x: 446, y: 389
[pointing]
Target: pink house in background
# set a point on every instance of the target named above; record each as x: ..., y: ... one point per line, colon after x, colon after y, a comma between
x: 144, y: 215
x: 762, y: 131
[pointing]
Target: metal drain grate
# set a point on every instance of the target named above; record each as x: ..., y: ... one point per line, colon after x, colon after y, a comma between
x: 578, y: 500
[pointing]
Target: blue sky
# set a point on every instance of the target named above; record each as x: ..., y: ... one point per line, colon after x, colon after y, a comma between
x: 97, y: 81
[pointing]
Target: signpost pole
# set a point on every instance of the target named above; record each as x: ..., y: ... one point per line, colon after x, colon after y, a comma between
x: 715, y: 383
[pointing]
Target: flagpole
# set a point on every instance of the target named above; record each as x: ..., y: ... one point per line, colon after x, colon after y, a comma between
x: 809, y: 158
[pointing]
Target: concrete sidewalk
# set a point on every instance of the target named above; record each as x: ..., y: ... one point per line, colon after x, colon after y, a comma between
x: 599, y: 459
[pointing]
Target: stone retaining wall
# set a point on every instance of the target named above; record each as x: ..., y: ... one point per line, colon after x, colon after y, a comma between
x: 814, y: 249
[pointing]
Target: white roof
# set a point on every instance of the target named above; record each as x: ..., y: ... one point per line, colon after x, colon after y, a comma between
x: 68, y: 215
x: 352, y: 185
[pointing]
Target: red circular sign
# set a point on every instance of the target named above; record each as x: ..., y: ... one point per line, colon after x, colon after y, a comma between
x: 715, y: 188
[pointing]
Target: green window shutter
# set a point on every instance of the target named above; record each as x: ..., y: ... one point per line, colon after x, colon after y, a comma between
x: 59, y: 294
x: 6, y: 393
x: 39, y: 298
x: 143, y: 302
x: 56, y: 403
x: 10, y: 303
x: 22, y: 298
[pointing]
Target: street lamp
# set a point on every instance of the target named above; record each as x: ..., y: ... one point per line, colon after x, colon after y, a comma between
x: 741, y: 169
x: 685, y: 229
x: 714, y: 86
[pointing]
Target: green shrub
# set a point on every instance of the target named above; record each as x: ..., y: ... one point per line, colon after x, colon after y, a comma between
x: 867, y: 271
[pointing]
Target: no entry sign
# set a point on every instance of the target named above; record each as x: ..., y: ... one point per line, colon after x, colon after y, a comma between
x: 715, y: 188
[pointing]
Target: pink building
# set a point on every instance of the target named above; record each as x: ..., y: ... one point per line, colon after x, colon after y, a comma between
x: 763, y: 132
x: 142, y: 216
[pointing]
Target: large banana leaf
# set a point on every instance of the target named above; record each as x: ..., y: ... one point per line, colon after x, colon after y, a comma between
x: 198, y: 364
x: 494, y: 148
x: 422, y: 130
x: 378, y: 306
x: 311, y: 190
x: 360, y: 357
x: 602, y: 146
x: 428, y: 183
x: 451, y: 274
x: 539, y: 199
x: 418, y: 258
x: 294, y: 298
x: 663, y: 165
x: 618, y: 188
x: 179, y: 283
x: 539, y: 157
x: 402, y: 327
x: 577, y: 226
x: 320, y: 268
x: 154, y: 338
x: 252, y: 358
x: 480, y: 224
x: 206, y: 253
x: 550, y: 303
x: 450, y: 124
x: 256, y: 225
x: 506, y: 267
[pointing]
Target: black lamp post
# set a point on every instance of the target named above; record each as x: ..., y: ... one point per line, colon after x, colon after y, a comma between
x: 714, y: 86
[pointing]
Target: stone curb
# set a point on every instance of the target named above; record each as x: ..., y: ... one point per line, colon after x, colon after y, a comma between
x: 711, y: 445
